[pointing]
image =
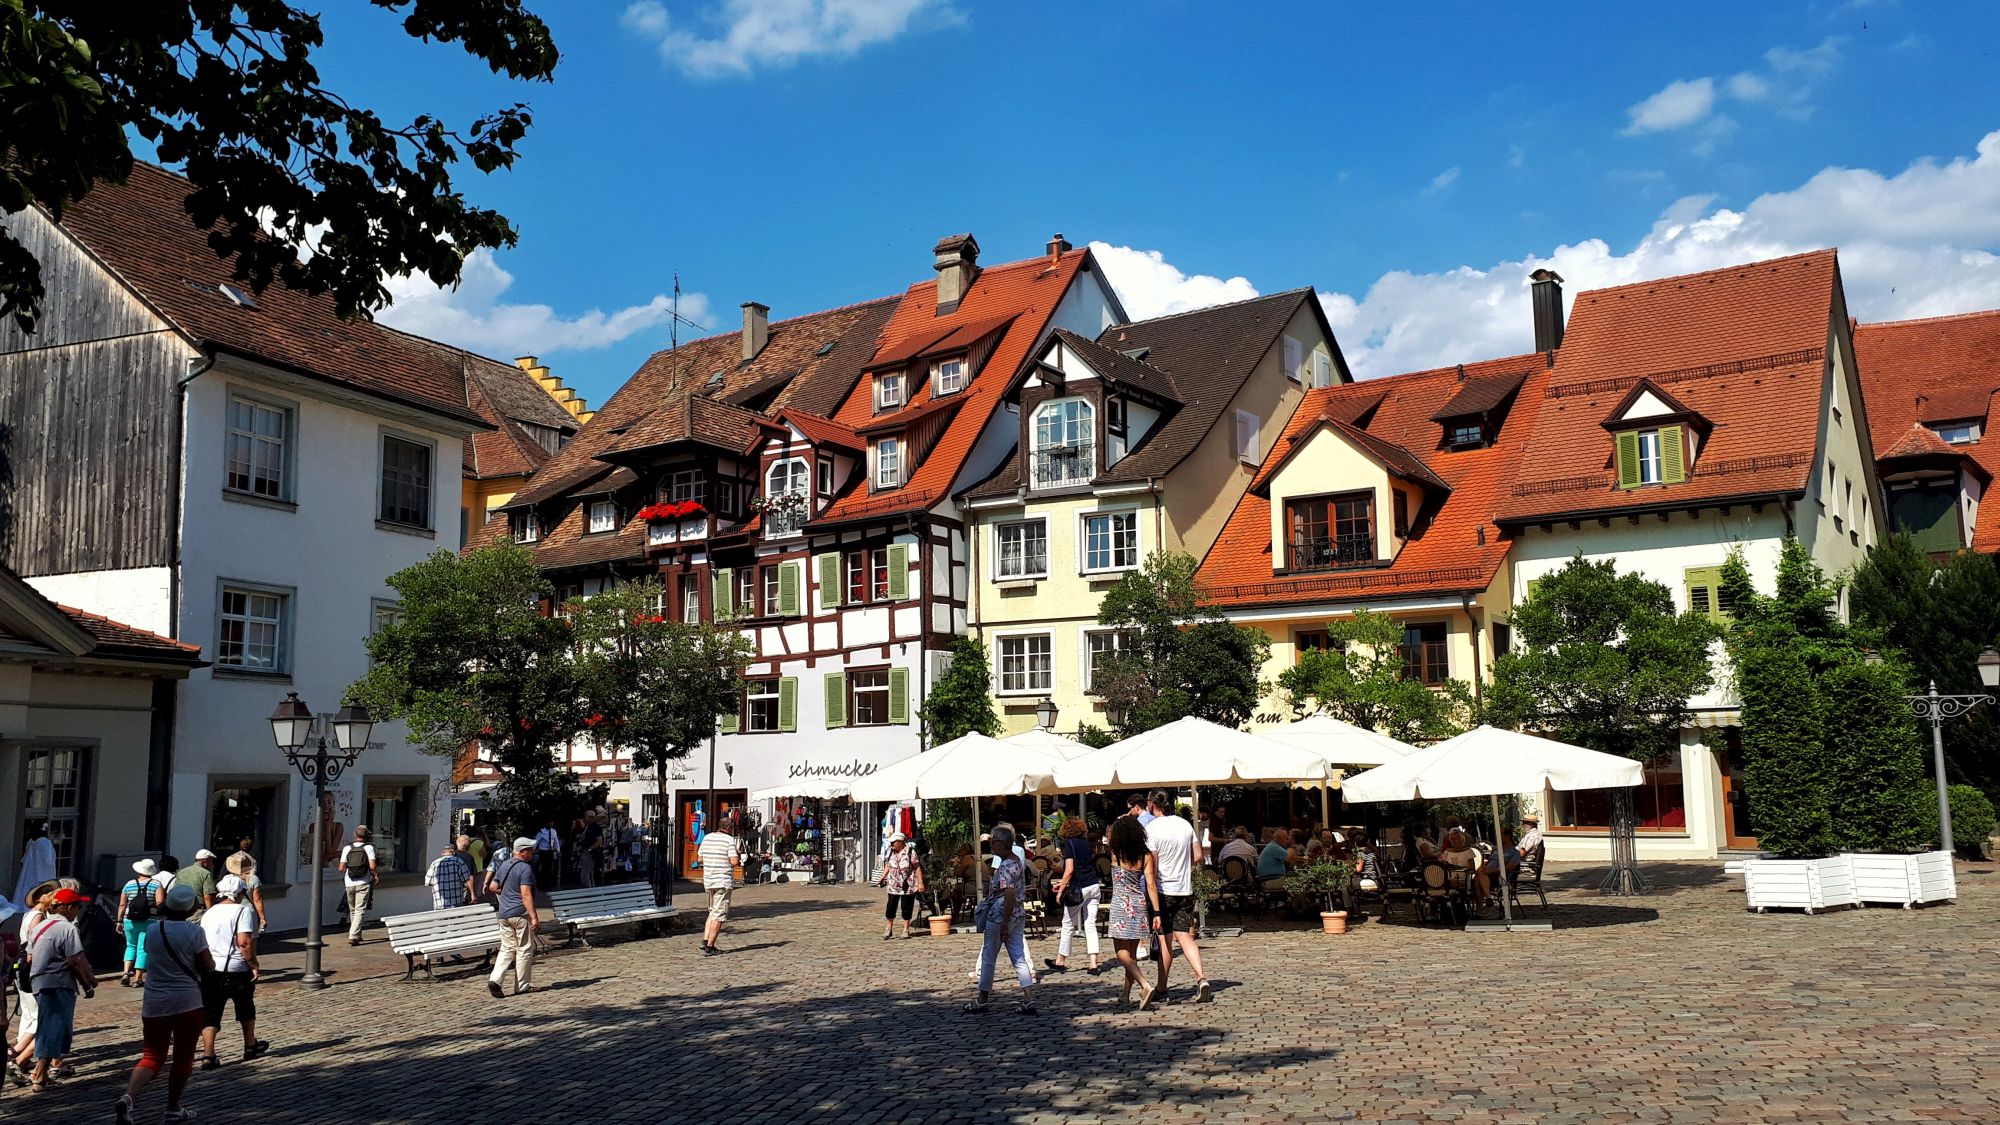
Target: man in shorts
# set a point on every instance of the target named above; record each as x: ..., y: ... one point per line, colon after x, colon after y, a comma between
x: 1172, y: 853
x: 718, y: 878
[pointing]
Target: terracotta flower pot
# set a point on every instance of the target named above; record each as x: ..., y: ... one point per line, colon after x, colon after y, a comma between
x: 1333, y: 921
x: 940, y: 925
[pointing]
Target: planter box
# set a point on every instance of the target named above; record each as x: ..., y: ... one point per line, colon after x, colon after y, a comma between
x: 1904, y: 880
x: 1799, y: 884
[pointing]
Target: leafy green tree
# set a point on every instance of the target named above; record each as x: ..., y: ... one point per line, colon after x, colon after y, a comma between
x: 1603, y: 660
x: 1361, y: 680
x: 1186, y: 660
x: 475, y: 661
x: 961, y: 701
x: 228, y: 91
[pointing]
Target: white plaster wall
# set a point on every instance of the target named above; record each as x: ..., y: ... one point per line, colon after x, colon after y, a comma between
x: 108, y: 715
x: 137, y: 597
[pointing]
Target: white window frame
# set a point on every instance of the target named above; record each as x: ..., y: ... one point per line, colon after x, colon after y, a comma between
x: 1648, y: 463
x: 687, y: 484
x: 797, y: 477
x: 382, y: 440
x: 756, y: 689
x: 1026, y: 673
x: 286, y: 442
x: 1077, y: 431
x: 1968, y: 432
x: 1000, y: 573
x: 1083, y: 542
x: 1247, y: 427
x: 855, y: 691
x: 603, y: 517
x: 530, y: 530
x: 885, y: 380
x: 1295, y: 358
x: 1086, y: 658
x: 889, y: 463
x: 690, y: 598
x: 940, y: 385
x: 281, y: 623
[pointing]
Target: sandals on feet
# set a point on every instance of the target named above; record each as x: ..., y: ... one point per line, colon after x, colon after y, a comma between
x: 1146, y: 996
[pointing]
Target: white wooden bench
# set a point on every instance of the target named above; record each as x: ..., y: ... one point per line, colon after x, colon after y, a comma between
x: 585, y: 908
x: 1733, y: 867
x: 441, y: 933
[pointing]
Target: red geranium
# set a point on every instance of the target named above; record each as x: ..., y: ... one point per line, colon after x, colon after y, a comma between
x: 672, y: 510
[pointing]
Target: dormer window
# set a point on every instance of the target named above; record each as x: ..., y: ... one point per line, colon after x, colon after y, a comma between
x: 1956, y: 433
x: 1064, y: 451
x: 889, y: 390
x: 948, y: 377
x: 1466, y: 434
x: 1651, y: 442
x: 786, y: 478
x: 603, y: 516
x: 1655, y: 456
x: 888, y: 463
x: 527, y: 529
x: 1330, y: 532
x: 686, y: 484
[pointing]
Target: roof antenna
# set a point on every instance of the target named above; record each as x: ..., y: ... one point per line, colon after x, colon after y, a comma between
x: 674, y: 316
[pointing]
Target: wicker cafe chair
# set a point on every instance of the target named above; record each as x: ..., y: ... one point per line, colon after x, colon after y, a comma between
x: 1528, y: 877
x: 1436, y: 897
x: 1237, y: 887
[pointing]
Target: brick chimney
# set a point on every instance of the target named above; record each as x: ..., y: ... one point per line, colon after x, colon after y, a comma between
x: 957, y: 263
x: 1547, y: 286
x: 756, y: 328
x: 1058, y: 246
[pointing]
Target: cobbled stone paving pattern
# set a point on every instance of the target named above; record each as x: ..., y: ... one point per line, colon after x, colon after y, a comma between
x: 1678, y: 1006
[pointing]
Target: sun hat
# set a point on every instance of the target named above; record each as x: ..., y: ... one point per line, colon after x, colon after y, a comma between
x: 204, y: 854
x: 180, y: 896
x: 523, y: 843
x: 68, y: 897
x: 147, y: 868
x: 898, y: 838
x: 229, y: 886
x: 1530, y: 818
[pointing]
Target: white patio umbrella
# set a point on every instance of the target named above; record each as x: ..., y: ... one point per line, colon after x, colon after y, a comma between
x: 1487, y: 762
x: 1341, y: 744
x: 1041, y: 738
x: 823, y: 788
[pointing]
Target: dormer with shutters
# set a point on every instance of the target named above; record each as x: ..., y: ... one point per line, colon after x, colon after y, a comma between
x: 1655, y: 438
x: 1342, y: 498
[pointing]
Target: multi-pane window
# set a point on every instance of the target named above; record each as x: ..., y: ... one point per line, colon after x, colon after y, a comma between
x: 1656, y: 456
x: 1956, y: 433
x: 1026, y: 663
x: 1649, y: 457
x: 1099, y: 647
x: 889, y: 463
x: 824, y: 468
x: 603, y: 516
x: 406, y: 482
x: 869, y: 704
x: 949, y: 377
x: 746, y: 589
x: 687, y: 484
x: 1022, y: 549
x: 55, y: 799
x: 788, y: 476
x: 1468, y: 433
x: 1328, y: 532
x: 1424, y: 653
x: 889, y: 390
x: 527, y: 527
x: 1110, y: 541
x: 690, y: 598
x: 251, y: 632
x: 770, y: 579
x: 1064, y: 452
x: 1313, y: 640
x: 867, y: 576
x: 257, y: 438
x: 760, y: 705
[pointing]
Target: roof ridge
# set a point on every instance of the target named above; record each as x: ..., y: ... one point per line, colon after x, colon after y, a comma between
x: 1782, y: 259
x: 1212, y: 308
x: 1127, y: 357
x: 724, y: 335
x: 1928, y: 319
x: 1448, y: 369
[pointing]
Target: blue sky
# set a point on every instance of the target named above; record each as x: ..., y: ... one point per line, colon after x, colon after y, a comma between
x: 1412, y: 162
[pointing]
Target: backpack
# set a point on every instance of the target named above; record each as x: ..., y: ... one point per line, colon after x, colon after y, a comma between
x: 140, y: 909
x: 355, y: 859
x: 22, y: 970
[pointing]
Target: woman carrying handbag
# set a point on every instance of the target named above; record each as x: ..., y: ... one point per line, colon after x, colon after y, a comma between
x: 903, y: 876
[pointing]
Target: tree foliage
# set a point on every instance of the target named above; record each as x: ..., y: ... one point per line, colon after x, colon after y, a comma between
x: 228, y: 91
x: 1361, y: 680
x: 1186, y: 660
x: 961, y: 701
x: 1603, y: 660
x: 655, y: 687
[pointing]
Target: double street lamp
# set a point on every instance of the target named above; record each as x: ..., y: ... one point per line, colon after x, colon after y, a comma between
x: 1937, y: 708
x: 320, y: 760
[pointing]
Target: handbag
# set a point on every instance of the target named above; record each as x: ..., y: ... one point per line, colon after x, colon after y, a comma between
x: 1072, y: 896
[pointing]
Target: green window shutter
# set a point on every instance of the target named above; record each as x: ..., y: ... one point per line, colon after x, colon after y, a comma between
x: 1628, y: 459
x: 836, y: 700
x: 788, y: 588
x: 731, y: 718
x: 1673, y: 459
x: 1704, y: 588
x: 899, y: 695
x: 899, y: 572
x: 829, y: 581
x: 788, y: 703
x: 725, y: 581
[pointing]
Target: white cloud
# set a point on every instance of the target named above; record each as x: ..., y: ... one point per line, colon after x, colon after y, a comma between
x: 1747, y: 87
x: 1148, y: 286
x: 1678, y: 105
x: 473, y: 316
x: 1921, y: 242
x: 1442, y: 180
x: 1808, y: 60
x: 736, y: 37
x: 1516, y: 157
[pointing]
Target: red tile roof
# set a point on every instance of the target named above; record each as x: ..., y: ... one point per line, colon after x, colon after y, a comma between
x: 821, y: 432
x: 117, y: 639
x: 508, y: 397
x: 142, y: 232
x: 1743, y: 347
x: 1461, y: 548
x: 1940, y: 369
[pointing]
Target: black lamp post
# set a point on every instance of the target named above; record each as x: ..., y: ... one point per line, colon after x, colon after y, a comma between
x: 320, y: 761
x: 1045, y: 715
x: 1937, y: 708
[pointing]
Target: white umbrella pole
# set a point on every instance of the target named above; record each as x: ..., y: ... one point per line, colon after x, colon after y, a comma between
x: 978, y: 859
x: 1500, y: 864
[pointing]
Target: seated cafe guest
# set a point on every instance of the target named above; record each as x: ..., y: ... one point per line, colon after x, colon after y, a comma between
x: 1239, y: 847
x: 1462, y: 860
x: 1531, y: 835
x: 1507, y: 849
x: 1370, y: 869
x: 1421, y: 844
x: 1276, y: 858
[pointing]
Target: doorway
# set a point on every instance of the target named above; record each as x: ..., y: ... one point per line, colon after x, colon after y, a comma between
x: 1736, y: 831
x: 696, y: 818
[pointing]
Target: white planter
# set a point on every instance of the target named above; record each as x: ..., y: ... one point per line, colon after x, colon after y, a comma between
x: 659, y: 531
x: 694, y: 529
x: 1904, y: 880
x: 1799, y: 884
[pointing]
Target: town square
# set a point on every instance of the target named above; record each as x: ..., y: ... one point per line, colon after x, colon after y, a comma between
x: 616, y: 562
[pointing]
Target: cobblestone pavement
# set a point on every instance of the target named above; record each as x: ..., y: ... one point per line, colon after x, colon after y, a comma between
x: 1678, y: 1006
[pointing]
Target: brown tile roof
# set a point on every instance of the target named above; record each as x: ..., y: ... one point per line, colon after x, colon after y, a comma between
x: 1743, y: 347
x: 1477, y: 396
x: 141, y: 231
x: 1460, y: 549
x: 1939, y: 369
x: 1118, y: 367
x: 117, y: 639
x: 695, y: 419
x: 1920, y: 441
x: 506, y: 396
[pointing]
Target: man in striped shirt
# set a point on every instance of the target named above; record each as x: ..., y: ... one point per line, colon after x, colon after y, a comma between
x: 718, y: 861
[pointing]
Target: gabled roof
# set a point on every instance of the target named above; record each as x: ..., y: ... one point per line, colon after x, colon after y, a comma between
x: 35, y: 628
x: 1478, y: 396
x: 821, y: 432
x: 1398, y: 461
x: 141, y: 231
x: 694, y: 420
x: 1459, y: 550
x: 1939, y: 369
x: 1742, y: 347
x: 507, y: 397
x: 1121, y: 368
x: 911, y: 415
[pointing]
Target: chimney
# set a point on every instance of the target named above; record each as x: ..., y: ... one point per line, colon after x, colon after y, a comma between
x: 756, y: 328
x: 1058, y: 246
x: 1548, y: 299
x: 957, y: 263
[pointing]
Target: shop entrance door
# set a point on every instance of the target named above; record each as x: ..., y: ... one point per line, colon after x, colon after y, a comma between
x: 695, y: 820
x: 1736, y: 831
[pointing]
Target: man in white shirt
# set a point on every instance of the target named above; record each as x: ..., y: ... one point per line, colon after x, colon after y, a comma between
x: 1240, y: 847
x: 1172, y: 852
x: 718, y: 861
x: 357, y: 865
x: 1531, y: 836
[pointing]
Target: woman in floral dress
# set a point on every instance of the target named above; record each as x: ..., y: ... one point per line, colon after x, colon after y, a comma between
x: 1135, y: 906
x: 1007, y: 926
x: 904, y: 878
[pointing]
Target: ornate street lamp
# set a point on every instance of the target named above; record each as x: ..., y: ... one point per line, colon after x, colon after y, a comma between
x: 1937, y: 708
x: 320, y: 761
x: 1045, y: 715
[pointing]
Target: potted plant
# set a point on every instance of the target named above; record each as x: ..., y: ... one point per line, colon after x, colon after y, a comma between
x: 1329, y: 880
x: 937, y: 877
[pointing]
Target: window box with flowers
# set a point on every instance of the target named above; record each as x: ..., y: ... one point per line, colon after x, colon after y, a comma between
x: 784, y: 513
x: 674, y: 521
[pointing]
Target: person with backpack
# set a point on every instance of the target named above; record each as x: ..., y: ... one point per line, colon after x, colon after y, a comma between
x: 137, y: 902
x: 357, y: 864
x: 512, y: 884
x: 171, y: 1012
x: 41, y: 903
x: 57, y: 968
x: 230, y: 928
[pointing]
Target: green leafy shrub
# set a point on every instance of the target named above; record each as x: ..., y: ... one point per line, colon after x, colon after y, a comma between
x: 1972, y: 820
